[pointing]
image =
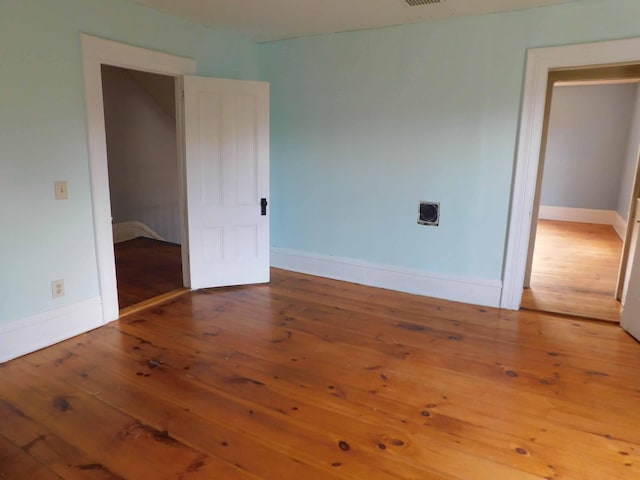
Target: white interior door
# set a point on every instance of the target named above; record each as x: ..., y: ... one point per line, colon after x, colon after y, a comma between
x: 630, y: 319
x: 227, y: 174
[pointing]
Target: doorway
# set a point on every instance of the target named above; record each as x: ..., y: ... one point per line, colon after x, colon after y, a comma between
x: 223, y: 174
x: 142, y: 156
x: 97, y: 52
x: 540, y: 63
x: 584, y: 193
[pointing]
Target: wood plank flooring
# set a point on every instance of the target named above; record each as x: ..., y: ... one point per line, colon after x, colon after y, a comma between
x: 146, y: 268
x: 575, y: 270
x: 309, y: 378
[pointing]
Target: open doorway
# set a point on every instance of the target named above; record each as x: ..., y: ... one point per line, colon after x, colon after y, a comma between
x: 590, y: 155
x: 577, y: 62
x: 142, y: 157
x: 584, y: 193
x: 223, y: 175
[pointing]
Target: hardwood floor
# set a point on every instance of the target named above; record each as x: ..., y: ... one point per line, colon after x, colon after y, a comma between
x: 309, y: 378
x: 146, y: 268
x: 575, y: 270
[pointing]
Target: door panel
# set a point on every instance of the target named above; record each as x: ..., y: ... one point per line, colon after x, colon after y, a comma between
x: 227, y: 171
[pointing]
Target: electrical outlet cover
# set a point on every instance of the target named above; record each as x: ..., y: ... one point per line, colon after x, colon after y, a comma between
x: 57, y: 288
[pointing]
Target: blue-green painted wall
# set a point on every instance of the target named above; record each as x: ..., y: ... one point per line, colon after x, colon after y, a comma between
x: 43, y: 134
x: 365, y: 124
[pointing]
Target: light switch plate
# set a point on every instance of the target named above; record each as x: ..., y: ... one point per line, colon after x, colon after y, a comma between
x: 61, y: 190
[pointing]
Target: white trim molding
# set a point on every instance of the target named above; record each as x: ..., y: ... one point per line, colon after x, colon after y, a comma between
x: 95, y: 53
x: 539, y: 62
x: 620, y: 226
x: 476, y: 291
x: 585, y: 215
x: 581, y: 215
x: 33, y: 333
x: 124, y: 231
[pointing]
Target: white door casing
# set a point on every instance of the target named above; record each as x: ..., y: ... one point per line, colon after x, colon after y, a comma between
x: 227, y: 176
x: 630, y: 319
x: 245, y: 121
x: 632, y: 249
x: 96, y: 52
x: 539, y: 62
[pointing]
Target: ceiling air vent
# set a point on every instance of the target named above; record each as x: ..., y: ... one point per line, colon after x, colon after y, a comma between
x: 417, y: 3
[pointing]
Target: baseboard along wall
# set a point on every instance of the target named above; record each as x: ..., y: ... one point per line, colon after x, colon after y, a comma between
x: 475, y: 291
x: 33, y: 333
x: 584, y: 215
x: 42, y: 330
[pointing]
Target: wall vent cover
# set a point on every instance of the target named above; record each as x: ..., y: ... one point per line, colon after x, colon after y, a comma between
x: 429, y: 213
x: 417, y: 3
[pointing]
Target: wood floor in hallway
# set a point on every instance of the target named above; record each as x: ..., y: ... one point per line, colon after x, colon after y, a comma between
x: 309, y: 378
x: 575, y: 269
x: 146, y: 268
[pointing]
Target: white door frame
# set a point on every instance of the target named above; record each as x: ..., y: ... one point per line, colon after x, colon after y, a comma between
x: 539, y: 62
x: 96, y: 52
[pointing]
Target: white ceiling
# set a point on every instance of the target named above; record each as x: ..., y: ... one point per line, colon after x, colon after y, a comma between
x: 267, y: 20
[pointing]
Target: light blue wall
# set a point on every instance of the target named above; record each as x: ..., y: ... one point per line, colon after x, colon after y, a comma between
x: 366, y: 124
x: 43, y: 134
x: 587, y: 145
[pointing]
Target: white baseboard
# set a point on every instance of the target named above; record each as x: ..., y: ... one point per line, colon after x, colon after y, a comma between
x: 33, y: 333
x: 476, y: 291
x: 584, y: 215
x: 132, y: 229
x: 620, y: 226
